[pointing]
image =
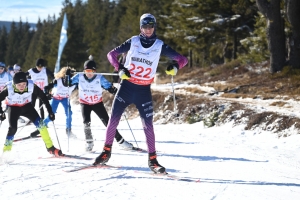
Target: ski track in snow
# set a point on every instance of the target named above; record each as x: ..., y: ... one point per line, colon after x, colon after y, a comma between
x: 230, y: 162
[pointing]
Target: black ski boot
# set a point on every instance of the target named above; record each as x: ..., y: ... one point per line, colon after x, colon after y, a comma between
x: 104, y: 156
x: 35, y: 133
x: 154, y: 165
x: 88, y: 136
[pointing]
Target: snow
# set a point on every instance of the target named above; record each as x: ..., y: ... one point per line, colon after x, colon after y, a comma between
x: 223, y: 162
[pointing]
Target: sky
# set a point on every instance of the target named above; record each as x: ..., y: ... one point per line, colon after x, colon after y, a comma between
x: 218, y: 163
x: 29, y: 10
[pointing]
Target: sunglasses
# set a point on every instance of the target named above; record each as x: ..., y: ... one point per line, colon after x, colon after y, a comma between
x: 1, y: 68
x: 89, y: 71
x: 148, y: 26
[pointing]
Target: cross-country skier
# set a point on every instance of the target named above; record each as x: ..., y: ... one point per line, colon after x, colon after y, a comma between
x: 10, y: 70
x: 4, y: 76
x: 60, y: 92
x: 90, y: 97
x: 18, y: 94
x: 17, y: 68
x: 40, y: 75
x: 137, y: 74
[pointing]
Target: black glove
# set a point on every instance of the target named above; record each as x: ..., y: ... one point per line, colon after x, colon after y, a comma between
x: 2, y: 116
x: 49, y: 96
x: 68, y: 72
x: 51, y: 116
x: 123, y: 72
x: 113, y: 90
x: 46, y: 89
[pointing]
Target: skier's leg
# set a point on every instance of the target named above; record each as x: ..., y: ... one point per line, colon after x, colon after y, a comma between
x: 86, y: 115
x: 121, y: 101
x: 33, y: 115
x: 101, y: 112
x: 41, y: 109
x: 68, y: 113
x: 118, y: 107
x: 145, y: 107
x: 54, y: 104
x: 13, y: 114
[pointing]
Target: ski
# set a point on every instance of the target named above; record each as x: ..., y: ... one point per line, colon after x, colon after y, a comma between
x: 91, y: 166
x: 66, y: 156
x: 26, y: 138
x: 136, y: 149
x: 170, y: 176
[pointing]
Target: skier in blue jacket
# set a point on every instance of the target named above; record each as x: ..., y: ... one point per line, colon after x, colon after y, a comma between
x: 60, y: 93
x: 90, y: 97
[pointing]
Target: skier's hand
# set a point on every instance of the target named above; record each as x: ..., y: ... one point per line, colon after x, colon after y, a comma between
x: 113, y: 90
x: 68, y: 72
x: 51, y: 116
x: 2, y: 116
x: 172, y: 69
x: 123, y: 72
x: 46, y: 90
x: 49, y: 96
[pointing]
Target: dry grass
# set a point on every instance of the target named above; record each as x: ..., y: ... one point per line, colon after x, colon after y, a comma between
x: 278, y: 103
x: 193, y: 90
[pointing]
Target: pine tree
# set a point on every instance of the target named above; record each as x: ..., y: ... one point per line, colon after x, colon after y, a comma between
x: 293, y: 15
x: 275, y: 31
x: 24, y: 43
x: 31, y: 55
x: 11, y: 55
x: 74, y: 53
x: 3, y: 44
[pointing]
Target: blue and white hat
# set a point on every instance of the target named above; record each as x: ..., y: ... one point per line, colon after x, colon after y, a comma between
x: 2, y: 64
x: 147, y: 19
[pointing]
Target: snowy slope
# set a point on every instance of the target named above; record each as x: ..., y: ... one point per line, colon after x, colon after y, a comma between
x: 230, y: 163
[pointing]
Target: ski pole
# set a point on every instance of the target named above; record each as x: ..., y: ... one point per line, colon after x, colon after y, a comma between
x: 174, y: 98
x: 56, y: 135
x: 109, y: 74
x: 131, y: 130
x: 68, y: 111
x: 0, y: 124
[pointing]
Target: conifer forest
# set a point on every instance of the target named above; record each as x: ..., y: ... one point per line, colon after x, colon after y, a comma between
x: 206, y: 31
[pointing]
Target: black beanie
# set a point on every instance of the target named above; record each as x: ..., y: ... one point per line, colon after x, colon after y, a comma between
x: 40, y: 62
x: 19, y: 77
x: 89, y: 64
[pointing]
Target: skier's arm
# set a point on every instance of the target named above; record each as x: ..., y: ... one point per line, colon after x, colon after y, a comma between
x: 48, y: 88
x: 41, y: 95
x: 74, y: 80
x: 3, y: 95
x: 10, y: 78
x: 173, y: 55
x: 49, y: 74
x: 28, y: 74
x: 112, y: 56
x: 107, y: 85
